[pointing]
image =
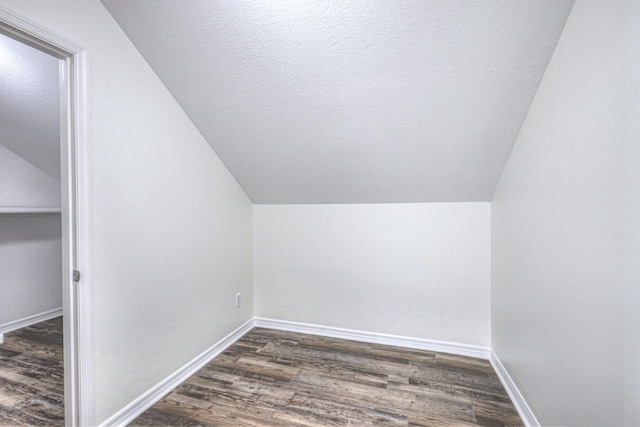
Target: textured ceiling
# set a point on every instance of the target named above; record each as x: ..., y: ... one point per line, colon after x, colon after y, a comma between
x: 352, y: 101
x: 30, y: 106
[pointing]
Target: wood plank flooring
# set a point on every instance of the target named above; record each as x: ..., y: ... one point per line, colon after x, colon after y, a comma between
x: 274, y: 378
x: 32, y: 376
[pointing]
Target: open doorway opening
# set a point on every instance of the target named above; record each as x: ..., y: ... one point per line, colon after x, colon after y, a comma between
x: 31, y: 384
x: 44, y: 225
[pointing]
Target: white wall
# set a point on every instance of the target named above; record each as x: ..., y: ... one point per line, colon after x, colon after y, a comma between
x: 631, y: 320
x: 30, y: 265
x: 30, y: 245
x: 23, y: 184
x: 171, y: 227
x: 558, y: 231
x: 419, y: 270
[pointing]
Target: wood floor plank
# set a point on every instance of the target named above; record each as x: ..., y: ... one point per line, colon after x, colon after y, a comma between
x: 31, y: 376
x: 278, y: 378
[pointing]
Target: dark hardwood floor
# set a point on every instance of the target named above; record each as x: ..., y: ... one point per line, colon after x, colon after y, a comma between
x: 31, y: 376
x: 274, y: 378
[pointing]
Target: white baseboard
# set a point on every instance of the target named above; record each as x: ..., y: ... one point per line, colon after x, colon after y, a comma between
x: 516, y: 397
x: 376, y: 338
x: 144, y: 402
x: 30, y: 320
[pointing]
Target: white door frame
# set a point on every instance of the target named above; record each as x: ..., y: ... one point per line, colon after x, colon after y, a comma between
x: 76, y: 243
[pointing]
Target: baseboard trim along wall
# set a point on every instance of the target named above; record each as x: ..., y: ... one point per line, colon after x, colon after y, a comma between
x: 516, y: 397
x: 375, y: 338
x: 144, y: 402
x: 30, y: 320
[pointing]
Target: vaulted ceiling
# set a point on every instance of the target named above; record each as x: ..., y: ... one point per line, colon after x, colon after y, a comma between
x: 365, y: 101
x: 30, y: 105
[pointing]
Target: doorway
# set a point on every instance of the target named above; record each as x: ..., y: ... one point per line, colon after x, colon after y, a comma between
x: 31, y: 384
x: 71, y: 213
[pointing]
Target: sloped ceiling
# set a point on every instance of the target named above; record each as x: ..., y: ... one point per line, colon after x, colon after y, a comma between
x: 352, y: 101
x: 30, y: 105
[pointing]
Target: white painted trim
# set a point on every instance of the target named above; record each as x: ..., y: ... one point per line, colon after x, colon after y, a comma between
x: 35, y: 34
x: 83, y: 261
x: 30, y: 320
x: 29, y: 209
x: 517, y: 399
x: 376, y: 338
x: 144, y: 402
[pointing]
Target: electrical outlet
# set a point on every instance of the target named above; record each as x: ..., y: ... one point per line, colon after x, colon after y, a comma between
x: 238, y: 299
